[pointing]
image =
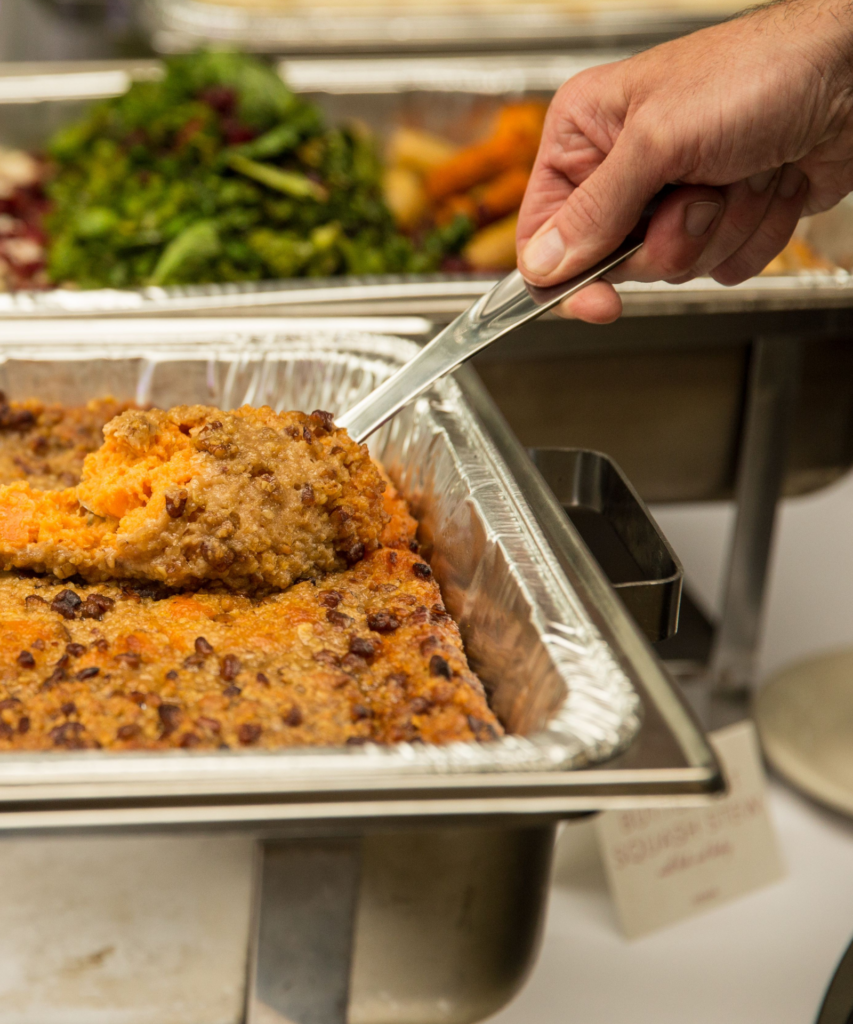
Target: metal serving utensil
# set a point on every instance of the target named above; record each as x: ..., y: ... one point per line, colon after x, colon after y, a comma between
x: 511, y: 303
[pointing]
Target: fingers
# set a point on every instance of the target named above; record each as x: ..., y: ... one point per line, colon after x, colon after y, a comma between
x: 598, y: 303
x: 686, y: 228
x: 746, y: 204
x: 677, y: 236
x: 772, y: 234
x: 595, y: 217
x: 546, y: 192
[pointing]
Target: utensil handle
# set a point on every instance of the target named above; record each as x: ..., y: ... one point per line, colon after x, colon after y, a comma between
x: 511, y: 303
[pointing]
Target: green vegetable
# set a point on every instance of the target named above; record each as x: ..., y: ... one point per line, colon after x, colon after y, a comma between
x: 195, y: 244
x: 216, y: 173
x: 292, y: 183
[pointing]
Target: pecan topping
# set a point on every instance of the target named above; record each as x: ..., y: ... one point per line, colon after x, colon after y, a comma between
x: 323, y: 420
x: 382, y: 622
x: 202, y: 646
x: 96, y: 606
x: 69, y: 735
x: 230, y: 667
x: 293, y: 717
x: 439, y: 667
x: 354, y: 554
x: 66, y: 604
x: 170, y: 716
x: 248, y: 733
x: 176, y: 503
x: 362, y: 647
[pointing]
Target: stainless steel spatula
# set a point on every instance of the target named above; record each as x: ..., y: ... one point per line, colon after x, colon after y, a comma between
x: 511, y: 303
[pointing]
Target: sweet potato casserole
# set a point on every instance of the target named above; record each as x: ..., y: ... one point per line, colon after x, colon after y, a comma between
x: 215, y: 580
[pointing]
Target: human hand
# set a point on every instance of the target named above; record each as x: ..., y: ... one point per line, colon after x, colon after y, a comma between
x: 753, y: 118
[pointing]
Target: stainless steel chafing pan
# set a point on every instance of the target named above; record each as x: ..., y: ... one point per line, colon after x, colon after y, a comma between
x: 415, y: 880
x: 454, y: 95
x: 563, y: 670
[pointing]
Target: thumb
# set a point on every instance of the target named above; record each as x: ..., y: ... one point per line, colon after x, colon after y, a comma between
x: 595, y: 218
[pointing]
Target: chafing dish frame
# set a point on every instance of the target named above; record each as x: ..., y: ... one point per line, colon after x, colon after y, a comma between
x: 248, y: 794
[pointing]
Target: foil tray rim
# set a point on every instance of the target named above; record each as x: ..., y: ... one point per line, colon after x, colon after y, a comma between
x: 370, y: 296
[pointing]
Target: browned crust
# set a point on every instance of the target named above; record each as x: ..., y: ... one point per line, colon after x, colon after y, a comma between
x: 366, y: 654
x: 249, y: 498
x: 45, y: 444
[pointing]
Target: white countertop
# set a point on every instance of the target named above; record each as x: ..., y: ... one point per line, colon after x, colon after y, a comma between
x: 766, y: 957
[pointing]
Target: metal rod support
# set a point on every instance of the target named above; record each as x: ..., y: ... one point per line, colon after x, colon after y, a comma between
x: 305, y: 914
x: 771, y: 401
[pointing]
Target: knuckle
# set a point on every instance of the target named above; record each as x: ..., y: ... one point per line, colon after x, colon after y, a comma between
x: 674, y: 264
x: 582, y: 214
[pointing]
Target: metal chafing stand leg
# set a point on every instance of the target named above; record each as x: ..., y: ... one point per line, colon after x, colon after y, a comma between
x: 306, y: 894
x: 773, y: 390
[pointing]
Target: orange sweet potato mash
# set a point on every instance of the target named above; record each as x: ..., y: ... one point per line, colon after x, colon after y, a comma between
x: 362, y: 650
x: 249, y: 498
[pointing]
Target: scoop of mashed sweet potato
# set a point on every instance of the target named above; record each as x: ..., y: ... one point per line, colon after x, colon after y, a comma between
x: 250, y: 497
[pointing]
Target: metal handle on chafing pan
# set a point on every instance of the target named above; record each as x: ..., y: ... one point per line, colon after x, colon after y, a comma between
x: 617, y: 527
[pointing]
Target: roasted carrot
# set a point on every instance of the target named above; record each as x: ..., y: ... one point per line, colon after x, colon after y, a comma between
x: 522, y: 119
x: 513, y: 144
x: 502, y: 194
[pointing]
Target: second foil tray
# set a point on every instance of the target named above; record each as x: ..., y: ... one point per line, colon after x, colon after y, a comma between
x: 450, y: 95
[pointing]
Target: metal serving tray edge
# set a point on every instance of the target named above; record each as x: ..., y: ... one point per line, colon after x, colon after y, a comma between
x: 180, y: 25
x: 577, y: 631
x: 437, y: 295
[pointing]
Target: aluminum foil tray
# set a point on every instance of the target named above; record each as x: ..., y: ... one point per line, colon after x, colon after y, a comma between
x: 271, y: 26
x: 552, y: 680
x: 35, y: 100
x: 560, y: 668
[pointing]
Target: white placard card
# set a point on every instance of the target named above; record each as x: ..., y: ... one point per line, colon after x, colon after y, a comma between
x: 666, y: 865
